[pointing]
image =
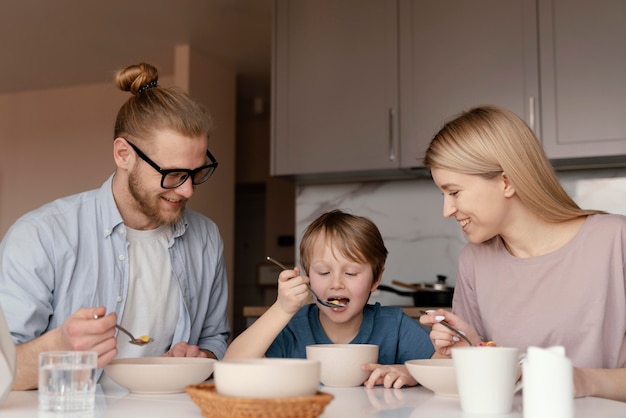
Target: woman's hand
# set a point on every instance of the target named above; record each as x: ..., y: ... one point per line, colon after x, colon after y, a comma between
x: 601, y: 383
x: 444, y: 339
x: 390, y: 376
x: 292, y: 290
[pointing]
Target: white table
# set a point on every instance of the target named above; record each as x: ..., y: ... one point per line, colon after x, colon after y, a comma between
x: 348, y: 402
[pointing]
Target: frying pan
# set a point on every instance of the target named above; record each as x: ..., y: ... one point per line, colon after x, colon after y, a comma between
x: 424, y: 294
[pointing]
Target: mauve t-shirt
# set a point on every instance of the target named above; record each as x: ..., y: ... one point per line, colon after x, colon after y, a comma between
x: 574, y: 296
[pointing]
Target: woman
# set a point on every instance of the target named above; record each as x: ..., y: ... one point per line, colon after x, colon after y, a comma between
x: 538, y: 270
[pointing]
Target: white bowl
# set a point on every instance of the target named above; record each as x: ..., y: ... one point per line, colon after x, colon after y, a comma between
x: 267, y: 377
x: 436, y: 374
x: 341, y: 363
x: 159, y: 374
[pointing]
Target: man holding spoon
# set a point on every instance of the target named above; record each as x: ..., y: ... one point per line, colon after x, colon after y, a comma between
x: 127, y: 253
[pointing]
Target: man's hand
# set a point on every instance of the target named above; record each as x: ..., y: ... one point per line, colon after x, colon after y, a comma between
x: 88, y: 329
x: 80, y: 332
x: 183, y: 349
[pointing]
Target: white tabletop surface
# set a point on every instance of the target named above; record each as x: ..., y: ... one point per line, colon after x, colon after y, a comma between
x: 348, y: 402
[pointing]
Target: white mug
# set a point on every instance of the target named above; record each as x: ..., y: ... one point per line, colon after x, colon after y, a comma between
x: 486, y: 378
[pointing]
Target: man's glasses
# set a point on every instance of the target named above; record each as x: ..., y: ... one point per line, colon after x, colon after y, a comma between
x: 175, y: 177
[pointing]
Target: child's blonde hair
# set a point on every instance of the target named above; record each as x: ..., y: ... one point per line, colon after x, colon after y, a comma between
x: 355, y: 237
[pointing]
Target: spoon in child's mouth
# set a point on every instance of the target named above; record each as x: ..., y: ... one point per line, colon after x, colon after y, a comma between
x: 143, y: 340
x: 331, y: 303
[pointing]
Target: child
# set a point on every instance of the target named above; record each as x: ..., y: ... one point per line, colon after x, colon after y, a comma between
x: 344, y: 256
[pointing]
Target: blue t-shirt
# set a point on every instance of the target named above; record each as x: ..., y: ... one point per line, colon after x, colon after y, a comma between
x: 398, y: 336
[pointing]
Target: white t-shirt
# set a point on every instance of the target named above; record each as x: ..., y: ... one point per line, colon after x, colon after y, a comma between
x: 153, y: 303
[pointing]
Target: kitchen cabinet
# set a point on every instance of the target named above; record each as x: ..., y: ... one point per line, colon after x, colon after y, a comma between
x: 335, y: 79
x: 362, y: 87
x: 583, y: 77
x: 457, y: 54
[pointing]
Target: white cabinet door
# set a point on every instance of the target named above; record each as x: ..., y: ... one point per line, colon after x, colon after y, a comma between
x: 456, y: 54
x: 583, y: 77
x: 335, y: 86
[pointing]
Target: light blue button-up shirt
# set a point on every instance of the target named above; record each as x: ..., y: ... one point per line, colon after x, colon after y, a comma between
x: 72, y: 253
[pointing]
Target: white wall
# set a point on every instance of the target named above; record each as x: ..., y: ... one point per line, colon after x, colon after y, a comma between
x: 421, y: 242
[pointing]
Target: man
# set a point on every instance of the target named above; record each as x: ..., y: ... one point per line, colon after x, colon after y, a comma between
x: 127, y: 253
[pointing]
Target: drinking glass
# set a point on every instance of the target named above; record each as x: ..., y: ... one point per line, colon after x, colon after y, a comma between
x: 67, y: 380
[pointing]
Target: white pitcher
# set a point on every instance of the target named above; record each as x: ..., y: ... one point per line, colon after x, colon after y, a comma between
x: 548, y: 388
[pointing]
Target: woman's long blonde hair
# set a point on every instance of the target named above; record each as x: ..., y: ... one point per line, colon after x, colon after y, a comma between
x: 487, y: 141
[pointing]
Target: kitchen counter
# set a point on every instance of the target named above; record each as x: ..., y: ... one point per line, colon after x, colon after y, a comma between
x: 254, y: 312
x: 348, y: 402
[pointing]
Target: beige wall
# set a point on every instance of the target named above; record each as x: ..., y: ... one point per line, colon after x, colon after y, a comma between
x: 215, y: 87
x: 253, y: 166
x: 54, y: 143
x: 58, y: 142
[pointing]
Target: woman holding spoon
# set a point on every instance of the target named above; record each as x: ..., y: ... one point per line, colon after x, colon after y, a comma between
x: 538, y: 270
x: 344, y: 256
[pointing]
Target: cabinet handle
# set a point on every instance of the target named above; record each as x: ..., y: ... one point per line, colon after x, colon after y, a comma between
x: 531, y: 112
x: 392, y: 119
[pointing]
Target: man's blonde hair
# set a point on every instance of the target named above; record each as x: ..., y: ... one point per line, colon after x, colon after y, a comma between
x: 152, y: 107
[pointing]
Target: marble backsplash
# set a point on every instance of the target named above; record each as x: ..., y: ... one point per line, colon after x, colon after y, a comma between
x: 421, y: 242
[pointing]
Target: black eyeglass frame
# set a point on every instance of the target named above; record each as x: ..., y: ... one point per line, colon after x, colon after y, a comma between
x: 190, y: 173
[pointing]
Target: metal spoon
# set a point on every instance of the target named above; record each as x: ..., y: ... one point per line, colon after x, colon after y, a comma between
x: 451, y: 328
x: 143, y: 340
x: 330, y: 304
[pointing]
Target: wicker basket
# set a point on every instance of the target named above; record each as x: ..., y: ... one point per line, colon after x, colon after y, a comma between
x: 214, y: 405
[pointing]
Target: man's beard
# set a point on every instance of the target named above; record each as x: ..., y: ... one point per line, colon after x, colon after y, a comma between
x: 149, y: 205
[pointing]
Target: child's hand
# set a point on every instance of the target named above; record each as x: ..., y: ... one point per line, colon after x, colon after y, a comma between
x: 292, y: 290
x: 391, y: 376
